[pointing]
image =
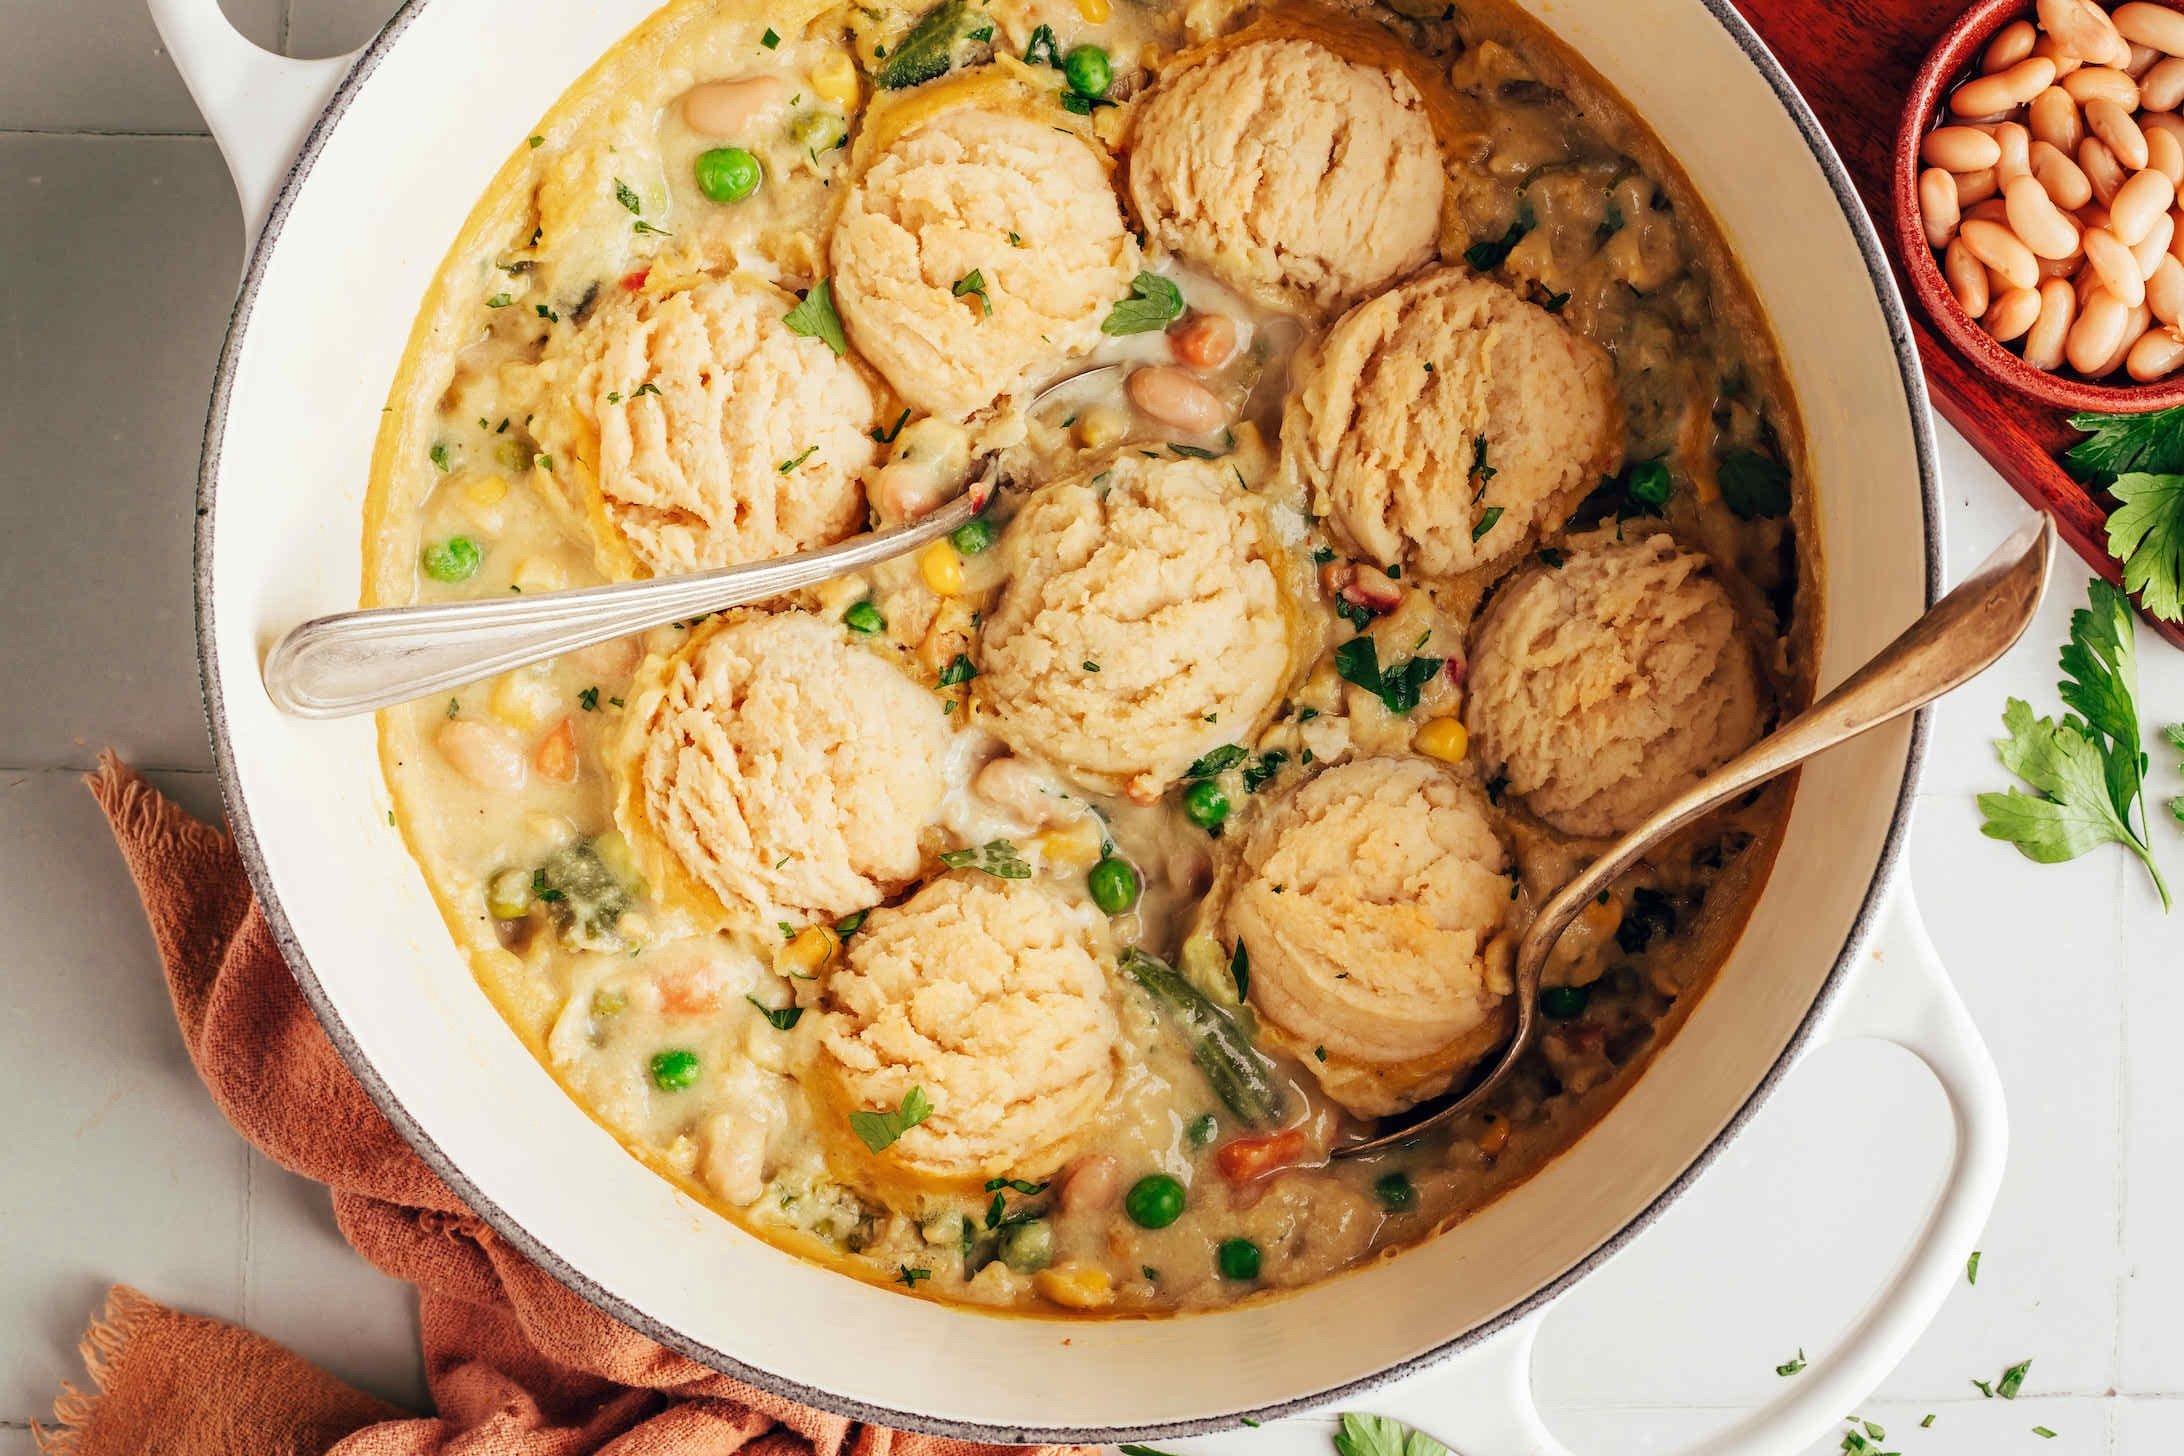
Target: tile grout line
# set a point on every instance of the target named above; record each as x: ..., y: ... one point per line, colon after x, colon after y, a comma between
x: 2123, y: 1146
x: 88, y: 133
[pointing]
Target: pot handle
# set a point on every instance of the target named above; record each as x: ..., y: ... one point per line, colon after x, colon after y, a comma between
x: 1481, y: 1404
x: 260, y: 106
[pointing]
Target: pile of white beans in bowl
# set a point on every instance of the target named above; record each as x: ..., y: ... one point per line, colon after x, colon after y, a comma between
x: 2050, y: 189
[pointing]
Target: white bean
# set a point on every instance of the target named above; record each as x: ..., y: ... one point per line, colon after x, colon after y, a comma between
x: 1967, y: 278
x: 2155, y: 355
x: 2036, y: 220
x: 2011, y: 44
x: 1090, y: 1184
x: 2167, y: 121
x: 1989, y: 209
x: 1974, y: 188
x: 2058, y: 310
x: 2089, y: 83
x: 2113, y: 125
x: 2053, y: 118
x: 2081, y: 28
x: 2119, y: 273
x: 2011, y: 314
x: 2134, y: 328
x: 2162, y: 88
x: 1960, y: 148
x: 2002, y: 250
x: 2097, y: 332
x: 1938, y: 208
x: 2046, y: 49
x: 2150, y: 25
x: 1026, y: 793
x: 487, y: 754
x: 2152, y: 248
x: 2165, y: 154
x: 2014, y: 143
x: 2009, y: 89
x: 2101, y: 169
x: 1172, y: 397
x: 2063, y: 179
x: 2165, y: 291
x: 2145, y: 197
x: 733, y: 108
x: 2143, y: 59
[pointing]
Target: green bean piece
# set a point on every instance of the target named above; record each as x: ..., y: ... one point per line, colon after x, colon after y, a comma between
x: 1233, y: 1067
x: 1028, y: 1247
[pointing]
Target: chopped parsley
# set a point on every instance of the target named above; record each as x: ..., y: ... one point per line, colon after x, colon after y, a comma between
x: 770, y: 39
x: 1266, y: 767
x: 1239, y: 969
x: 880, y: 1130
x: 787, y: 466
x: 546, y: 313
x: 784, y: 1019
x: 2043, y: 1433
x: 1488, y: 519
x: 1487, y: 256
x: 1480, y: 470
x: 1016, y: 1185
x: 627, y: 196
x: 815, y: 318
x: 1792, y: 1367
x: 1755, y: 486
x: 905, y: 1274
x: 1219, y: 761
x: 2013, y: 1380
x: 1553, y: 302
x: 1042, y: 49
x: 537, y: 142
x: 1358, y: 662
x: 1971, y: 1268
x: 887, y: 436
x: 440, y: 457
x: 997, y: 857
x: 960, y: 669
x: 1551, y: 558
x: 1199, y: 452
x: 499, y: 300
x: 1089, y: 665
x: 973, y: 282
x: 1153, y: 304
x: 589, y: 700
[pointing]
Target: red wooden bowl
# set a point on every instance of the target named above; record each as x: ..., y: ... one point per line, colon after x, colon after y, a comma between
x: 1951, y: 62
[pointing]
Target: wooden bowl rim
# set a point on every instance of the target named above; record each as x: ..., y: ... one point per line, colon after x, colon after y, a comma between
x: 1949, y: 60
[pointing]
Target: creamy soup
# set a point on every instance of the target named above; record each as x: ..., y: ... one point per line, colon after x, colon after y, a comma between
x: 1399, y: 500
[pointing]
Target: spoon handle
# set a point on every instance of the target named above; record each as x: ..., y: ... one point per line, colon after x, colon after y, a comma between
x: 355, y: 662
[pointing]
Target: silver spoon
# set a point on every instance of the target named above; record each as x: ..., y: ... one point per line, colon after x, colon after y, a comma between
x: 1957, y: 639
x: 355, y: 662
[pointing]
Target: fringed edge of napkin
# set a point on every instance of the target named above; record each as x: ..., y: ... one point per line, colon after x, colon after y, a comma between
x: 105, y: 1344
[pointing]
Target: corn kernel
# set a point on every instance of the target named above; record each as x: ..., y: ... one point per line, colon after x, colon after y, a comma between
x: 540, y: 574
x: 1602, y: 918
x: 1075, y: 1286
x: 835, y: 79
x: 1101, y: 425
x: 1443, y: 738
x: 942, y: 569
x: 486, y: 490
x: 1495, y: 1137
x: 1073, y: 846
x: 808, y: 952
x: 1095, y: 12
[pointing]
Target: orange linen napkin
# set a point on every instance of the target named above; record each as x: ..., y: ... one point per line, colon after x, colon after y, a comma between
x: 517, y: 1365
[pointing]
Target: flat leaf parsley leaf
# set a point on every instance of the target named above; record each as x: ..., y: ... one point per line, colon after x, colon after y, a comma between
x: 1754, y: 485
x: 815, y: 318
x: 1358, y: 661
x: 879, y: 1130
x: 2151, y: 444
x: 2146, y: 534
x: 996, y: 857
x: 2089, y: 769
x: 1381, y: 1436
x: 1154, y: 303
x: 973, y: 282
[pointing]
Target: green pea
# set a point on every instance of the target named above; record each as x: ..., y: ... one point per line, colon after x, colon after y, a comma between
x: 864, y: 618
x: 727, y: 174
x: 973, y: 536
x: 1202, y: 1129
x: 1564, y: 1002
x: 674, y: 1070
x: 1207, y: 804
x: 1651, y: 484
x: 1114, y: 885
x: 1087, y: 70
x: 1028, y: 1247
x: 1154, y: 1201
x: 1237, y: 1259
x: 455, y: 559
x: 1395, y: 1192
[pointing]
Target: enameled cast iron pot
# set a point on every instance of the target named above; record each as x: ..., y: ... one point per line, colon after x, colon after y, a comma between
x: 395, y: 144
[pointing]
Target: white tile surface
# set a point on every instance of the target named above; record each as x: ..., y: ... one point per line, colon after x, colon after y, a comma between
x: 111, y: 324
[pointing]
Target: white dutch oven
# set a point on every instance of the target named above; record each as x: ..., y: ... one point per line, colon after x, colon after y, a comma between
x: 401, y: 140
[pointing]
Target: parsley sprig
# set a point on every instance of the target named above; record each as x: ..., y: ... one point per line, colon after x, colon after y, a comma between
x: 815, y: 318
x: 2089, y: 769
x: 1153, y: 304
x: 879, y: 1130
x: 1363, y: 1435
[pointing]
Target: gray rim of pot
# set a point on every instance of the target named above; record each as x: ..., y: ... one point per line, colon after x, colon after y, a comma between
x: 506, y: 1225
